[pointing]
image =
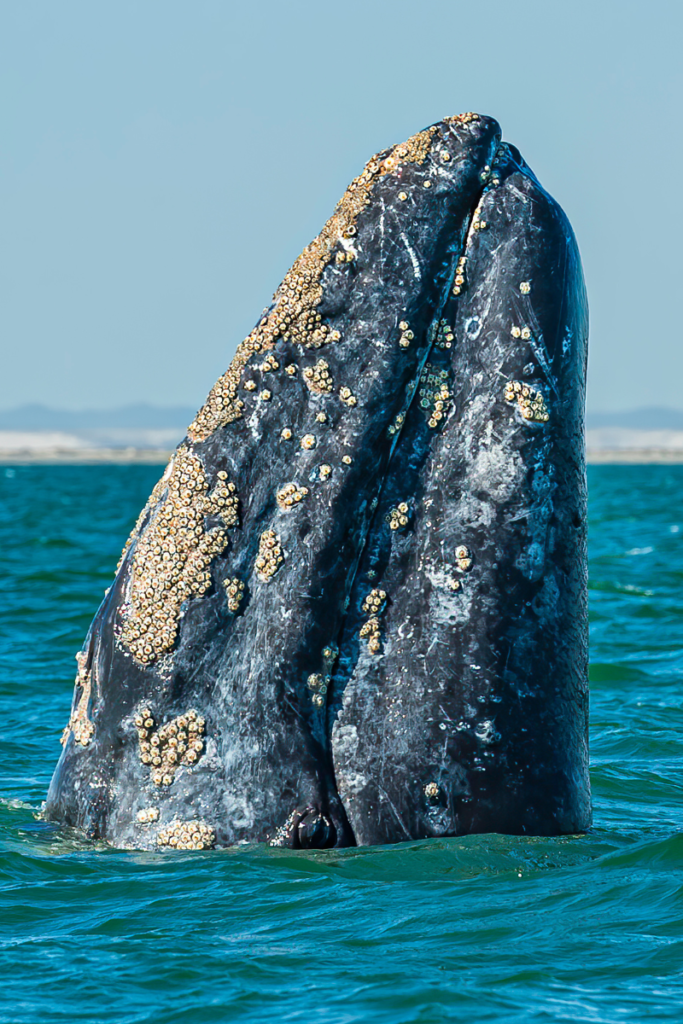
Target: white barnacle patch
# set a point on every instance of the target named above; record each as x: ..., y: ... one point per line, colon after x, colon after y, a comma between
x: 234, y: 590
x: 444, y: 335
x: 529, y: 401
x: 165, y: 749
x: 432, y: 792
x: 459, y: 282
x: 373, y: 606
x: 318, y: 683
x: 347, y: 396
x: 270, y: 556
x: 395, y: 427
x: 187, y: 835
x: 397, y: 518
x: 330, y: 653
x: 173, y: 554
x: 463, y: 558
x: 345, y: 741
x: 79, y: 722
x: 406, y: 335
x: 318, y: 377
x: 290, y: 495
x: 434, y: 394
x: 147, y: 815
x: 269, y: 364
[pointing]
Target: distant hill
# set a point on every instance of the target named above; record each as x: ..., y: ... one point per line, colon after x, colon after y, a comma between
x: 144, y: 417
x: 140, y: 416
x: 649, y: 418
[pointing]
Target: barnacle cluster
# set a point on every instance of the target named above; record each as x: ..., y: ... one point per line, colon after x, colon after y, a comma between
x: 459, y: 282
x: 406, y: 334
x: 294, y: 315
x: 373, y: 606
x: 234, y: 589
x: 397, y: 517
x: 187, y: 835
x: 318, y: 378
x: 463, y: 558
x: 318, y: 682
x: 282, y: 834
x: 444, y: 335
x: 501, y: 157
x: 530, y: 401
x: 290, y: 495
x: 463, y: 562
x: 79, y: 723
x: 434, y: 394
x: 270, y: 556
x: 147, y: 815
x: 521, y: 332
x: 270, y: 363
x: 173, y: 555
x: 347, y: 253
x: 347, y: 396
x: 152, y: 501
x: 396, y: 425
x: 177, y: 743
x: 330, y: 654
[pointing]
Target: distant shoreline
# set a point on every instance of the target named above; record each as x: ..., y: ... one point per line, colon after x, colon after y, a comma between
x: 155, y: 457
x: 85, y: 457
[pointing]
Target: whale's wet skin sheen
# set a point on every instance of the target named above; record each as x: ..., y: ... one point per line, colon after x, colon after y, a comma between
x: 353, y: 610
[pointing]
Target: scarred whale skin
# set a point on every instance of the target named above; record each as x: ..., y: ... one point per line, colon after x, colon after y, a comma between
x: 474, y: 718
x: 354, y: 607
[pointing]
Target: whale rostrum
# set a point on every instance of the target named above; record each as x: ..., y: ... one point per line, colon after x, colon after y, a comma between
x: 354, y: 607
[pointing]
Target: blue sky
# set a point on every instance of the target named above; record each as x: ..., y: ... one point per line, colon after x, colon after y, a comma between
x: 163, y: 163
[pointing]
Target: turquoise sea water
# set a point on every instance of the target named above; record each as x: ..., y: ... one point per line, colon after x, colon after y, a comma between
x: 488, y: 928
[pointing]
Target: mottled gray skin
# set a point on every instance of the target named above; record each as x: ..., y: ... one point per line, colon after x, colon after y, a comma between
x: 482, y: 692
x: 267, y: 772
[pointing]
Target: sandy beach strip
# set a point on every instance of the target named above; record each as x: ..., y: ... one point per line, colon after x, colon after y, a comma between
x: 153, y: 456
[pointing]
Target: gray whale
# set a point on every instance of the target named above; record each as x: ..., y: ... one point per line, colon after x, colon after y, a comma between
x: 354, y: 607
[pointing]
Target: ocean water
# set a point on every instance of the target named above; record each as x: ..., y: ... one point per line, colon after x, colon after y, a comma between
x: 486, y: 928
